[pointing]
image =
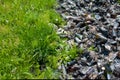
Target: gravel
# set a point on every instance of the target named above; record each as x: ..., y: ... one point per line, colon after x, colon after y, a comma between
x: 93, y: 25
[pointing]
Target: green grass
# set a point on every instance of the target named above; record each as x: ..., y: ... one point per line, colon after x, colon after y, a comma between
x: 118, y: 1
x: 28, y: 40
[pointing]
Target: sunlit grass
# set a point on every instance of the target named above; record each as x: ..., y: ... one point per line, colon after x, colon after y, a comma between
x: 27, y: 38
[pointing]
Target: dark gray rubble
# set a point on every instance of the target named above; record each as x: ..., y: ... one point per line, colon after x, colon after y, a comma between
x: 94, y: 26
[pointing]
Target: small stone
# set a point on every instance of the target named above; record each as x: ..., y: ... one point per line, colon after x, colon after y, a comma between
x: 99, y: 49
x: 108, y: 15
x: 103, y: 68
x: 71, y: 63
x: 80, y: 24
x: 112, y: 42
x: 99, y: 35
x: 84, y: 70
x: 97, y: 17
x: 79, y: 36
x: 112, y: 56
x: 71, y: 43
x: 114, y: 33
x: 116, y: 71
x: 93, y: 55
x: 90, y: 71
x: 118, y: 39
x: 75, y: 75
x: 108, y: 76
x: 61, y: 31
x: 75, y: 67
x: 77, y: 40
x: 93, y: 76
x: 100, y: 73
x: 89, y: 17
x: 87, y: 1
x: 108, y: 47
x: 118, y: 18
x: 99, y: 64
x: 103, y: 30
x: 83, y: 63
x: 83, y: 59
x: 116, y: 24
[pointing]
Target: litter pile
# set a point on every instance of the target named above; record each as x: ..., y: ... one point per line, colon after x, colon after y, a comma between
x: 93, y: 25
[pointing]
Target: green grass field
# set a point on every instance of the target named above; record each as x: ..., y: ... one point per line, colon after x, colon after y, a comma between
x: 28, y: 39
